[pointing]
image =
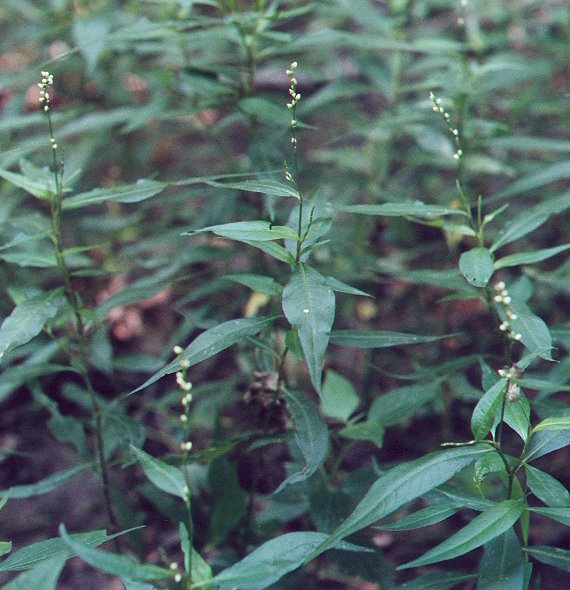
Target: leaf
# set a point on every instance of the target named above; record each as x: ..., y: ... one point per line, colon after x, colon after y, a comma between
x: 249, y: 231
x: 535, y: 334
x: 31, y: 555
x: 546, y: 488
x: 46, y: 485
x: 129, y: 193
x: 529, y: 257
x: 487, y: 409
x: 490, y: 524
x: 476, y: 266
x: 417, y: 209
x: 5, y: 547
x: 42, y: 189
x: 542, y: 443
x: 559, y: 558
x: 339, y: 399
x: 400, y: 485
x: 377, y: 338
x: 267, y: 187
x: 517, y: 416
x: 437, y: 581
x: 165, y: 477
x: 134, y: 585
x: 210, y: 342
x: 341, y: 287
x: 278, y: 252
x: 556, y: 423
x: 502, y: 565
x: 44, y: 575
x: 311, y: 435
x: 257, y: 283
x: 28, y: 319
x: 402, y: 403
x: 309, y: 305
x: 420, y: 519
x: 371, y: 430
x: 270, y: 562
x: 116, y: 565
x: 553, y: 173
x: 559, y: 514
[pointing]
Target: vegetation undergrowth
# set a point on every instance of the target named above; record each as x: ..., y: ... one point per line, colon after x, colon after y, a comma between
x: 291, y: 280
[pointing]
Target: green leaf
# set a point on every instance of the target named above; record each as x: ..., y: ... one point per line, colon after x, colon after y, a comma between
x: 487, y: 409
x: 130, y: 193
x: 166, y: 477
x: 42, y: 189
x: 437, y: 581
x: 311, y: 435
x: 502, y: 565
x: 339, y: 399
x: 488, y: 525
x: 420, y: 519
x: 134, y: 585
x: 402, y: 403
x: 270, y: 562
x: 5, y: 547
x: 28, y: 319
x: 542, y: 443
x: 556, y: 423
x: 553, y: 173
x: 476, y: 265
x: 559, y: 514
x: 257, y: 283
x: 275, y: 188
x: 46, y: 485
x: 377, y: 338
x: 31, y: 555
x: 249, y: 231
x: 278, y: 252
x: 417, y: 209
x: 116, y: 565
x: 546, y: 488
x: 529, y: 257
x: 341, y: 287
x: 535, y: 334
x: 44, y: 575
x: 559, y: 558
x: 371, y: 430
x: 517, y: 416
x: 309, y: 305
x: 400, y: 485
x: 211, y: 342
x: 229, y: 501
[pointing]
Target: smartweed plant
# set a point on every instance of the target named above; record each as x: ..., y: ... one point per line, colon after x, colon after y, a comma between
x: 326, y: 342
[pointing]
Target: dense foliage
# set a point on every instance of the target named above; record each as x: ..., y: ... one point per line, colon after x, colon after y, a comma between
x: 291, y: 280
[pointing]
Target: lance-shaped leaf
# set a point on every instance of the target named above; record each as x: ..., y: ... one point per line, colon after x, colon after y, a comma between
x: 546, y: 488
x: 249, y: 231
x: 486, y: 410
x: 547, y: 441
x: 270, y: 562
x: 529, y: 257
x: 166, y: 477
x: 482, y: 529
x: 559, y: 558
x: 28, y: 319
x: 47, y: 484
x: 437, y: 581
x: 130, y: 193
x: 559, y: 514
x: 311, y: 436
x: 417, y: 209
x: 211, y: 342
x: 556, y: 423
x: 309, y: 305
x: 275, y: 188
x: 420, y: 518
x: 116, y: 565
x: 44, y: 575
x: 502, y: 565
x: 400, y: 485
x: 476, y: 265
x: 377, y: 338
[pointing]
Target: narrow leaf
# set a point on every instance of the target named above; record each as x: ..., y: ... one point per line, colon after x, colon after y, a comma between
x: 249, y: 231
x: 402, y: 403
x: 546, y: 488
x: 46, y: 485
x: 275, y: 188
x: 278, y: 252
x: 311, y: 435
x: 559, y: 558
x: 529, y: 257
x: 339, y: 399
x: 28, y: 319
x: 309, y: 305
x: 341, y: 287
x: 559, y: 514
x: 377, y: 338
x: 401, y: 485
x: 482, y: 529
x: 556, y: 423
x: 116, y: 565
x: 166, y: 477
x: 211, y: 342
x: 502, y: 566
x: 476, y: 265
x: 420, y: 519
x: 548, y: 441
x: 257, y: 283
x: 437, y: 581
x: 486, y: 410
x: 44, y: 575
x: 130, y: 193
x: 417, y: 209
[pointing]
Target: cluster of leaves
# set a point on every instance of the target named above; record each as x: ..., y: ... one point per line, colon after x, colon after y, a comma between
x: 343, y: 314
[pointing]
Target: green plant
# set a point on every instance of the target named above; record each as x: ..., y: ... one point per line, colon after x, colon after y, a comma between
x: 318, y: 412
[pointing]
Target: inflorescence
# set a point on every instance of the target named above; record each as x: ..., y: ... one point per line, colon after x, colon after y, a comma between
x: 438, y: 108
x: 503, y: 299
x: 185, y: 386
